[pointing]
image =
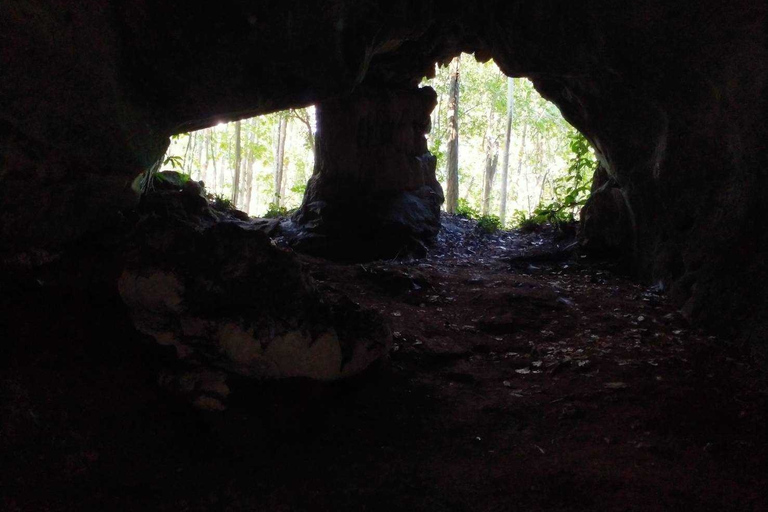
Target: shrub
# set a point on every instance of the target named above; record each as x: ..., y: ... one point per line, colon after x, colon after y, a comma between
x: 572, y: 189
x: 527, y: 223
x: 275, y: 211
x: 220, y: 203
x: 466, y: 211
x: 489, y: 224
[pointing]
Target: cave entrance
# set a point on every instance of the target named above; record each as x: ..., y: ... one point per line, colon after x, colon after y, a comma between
x: 262, y: 164
x: 549, y: 164
x: 259, y: 165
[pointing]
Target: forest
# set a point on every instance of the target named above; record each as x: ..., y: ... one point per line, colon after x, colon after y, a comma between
x: 503, y: 152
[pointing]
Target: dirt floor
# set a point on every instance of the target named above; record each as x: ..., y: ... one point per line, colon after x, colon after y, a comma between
x: 521, y: 379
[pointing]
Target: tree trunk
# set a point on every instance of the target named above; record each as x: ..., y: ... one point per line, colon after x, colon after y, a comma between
x: 452, y: 156
x: 520, y: 157
x: 199, y: 154
x: 238, y: 158
x: 303, y: 116
x: 207, y: 145
x: 213, y: 160
x: 490, y: 146
x: 543, y: 184
x: 491, y: 164
x: 505, y: 154
x: 249, y: 160
x: 279, y: 156
x: 185, y: 161
x: 469, y: 188
x: 538, y: 151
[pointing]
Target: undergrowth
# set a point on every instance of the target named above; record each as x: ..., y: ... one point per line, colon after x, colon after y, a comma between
x: 276, y: 211
x: 571, y: 191
x: 485, y: 223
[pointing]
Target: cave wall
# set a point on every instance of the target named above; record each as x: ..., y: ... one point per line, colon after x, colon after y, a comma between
x: 672, y: 95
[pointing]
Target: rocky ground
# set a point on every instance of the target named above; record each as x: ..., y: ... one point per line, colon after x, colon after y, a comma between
x: 522, y: 378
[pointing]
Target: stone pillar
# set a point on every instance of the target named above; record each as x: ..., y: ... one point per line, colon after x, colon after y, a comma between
x: 373, y: 193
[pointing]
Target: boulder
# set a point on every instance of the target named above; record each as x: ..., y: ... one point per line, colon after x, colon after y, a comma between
x: 232, y: 303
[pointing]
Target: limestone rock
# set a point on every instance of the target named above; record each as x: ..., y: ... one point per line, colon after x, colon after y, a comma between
x: 228, y: 300
x: 606, y: 226
x: 373, y: 193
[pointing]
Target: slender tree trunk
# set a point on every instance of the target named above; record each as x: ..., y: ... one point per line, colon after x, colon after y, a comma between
x: 505, y: 154
x: 303, y: 116
x: 490, y: 146
x: 199, y: 154
x: 543, y: 184
x: 248, y: 171
x: 452, y: 156
x: 538, y: 151
x: 520, y: 157
x: 238, y: 158
x: 213, y: 161
x: 469, y: 188
x: 279, y: 156
x: 207, y: 144
x: 249, y: 183
x: 185, y: 161
x: 491, y: 164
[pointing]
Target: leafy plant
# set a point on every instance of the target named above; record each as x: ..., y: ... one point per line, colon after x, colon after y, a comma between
x: 526, y: 223
x: 489, y: 224
x: 275, y: 211
x: 176, y: 162
x: 299, y: 188
x: 571, y: 190
x: 220, y: 203
x: 466, y: 211
x: 172, y: 178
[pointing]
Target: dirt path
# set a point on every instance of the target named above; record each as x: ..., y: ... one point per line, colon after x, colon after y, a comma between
x: 557, y: 385
x: 515, y: 384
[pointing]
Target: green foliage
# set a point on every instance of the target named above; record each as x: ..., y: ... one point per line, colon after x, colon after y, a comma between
x: 466, y: 211
x: 220, y: 203
x: 489, y: 224
x: 172, y: 178
x: 209, y: 155
x: 539, y: 145
x: 275, y: 211
x: 525, y: 222
x: 571, y: 190
x: 176, y: 162
x: 299, y: 188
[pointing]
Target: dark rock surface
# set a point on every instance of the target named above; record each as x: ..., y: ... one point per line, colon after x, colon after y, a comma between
x: 230, y: 302
x: 606, y: 227
x: 672, y: 95
x: 373, y: 193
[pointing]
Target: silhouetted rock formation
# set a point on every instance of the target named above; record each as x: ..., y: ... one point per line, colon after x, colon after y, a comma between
x: 606, y: 227
x: 373, y: 193
x: 231, y: 303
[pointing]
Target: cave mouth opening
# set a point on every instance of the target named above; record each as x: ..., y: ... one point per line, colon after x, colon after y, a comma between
x: 518, y: 158
x: 519, y: 162
x: 258, y: 165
